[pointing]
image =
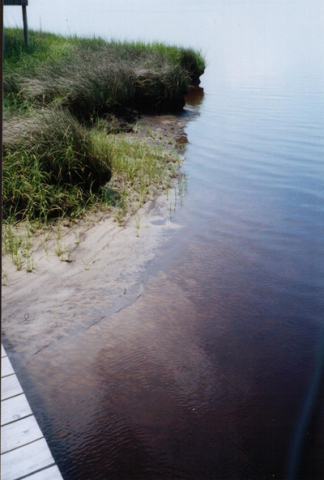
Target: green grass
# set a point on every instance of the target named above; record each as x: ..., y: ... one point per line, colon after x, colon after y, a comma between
x: 46, y: 49
x: 49, y: 166
x: 138, y: 169
x: 91, y: 76
x: 58, y: 159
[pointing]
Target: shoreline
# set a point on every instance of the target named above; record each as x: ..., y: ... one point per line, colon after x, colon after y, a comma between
x: 69, y: 105
x: 101, y: 271
x: 85, y: 156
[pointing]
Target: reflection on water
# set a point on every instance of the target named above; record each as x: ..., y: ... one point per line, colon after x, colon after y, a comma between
x: 208, y: 374
x: 204, y: 374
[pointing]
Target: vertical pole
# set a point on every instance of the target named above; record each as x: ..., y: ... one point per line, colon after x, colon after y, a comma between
x: 24, y: 13
x: 1, y: 115
x: 2, y: 34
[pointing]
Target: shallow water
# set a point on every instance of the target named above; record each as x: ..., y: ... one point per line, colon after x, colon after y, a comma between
x: 208, y: 375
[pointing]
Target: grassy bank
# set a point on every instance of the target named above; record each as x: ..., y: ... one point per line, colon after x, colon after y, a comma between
x: 91, y: 76
x: 63, y: 98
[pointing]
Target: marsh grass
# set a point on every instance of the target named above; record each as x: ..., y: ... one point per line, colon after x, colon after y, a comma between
x: 138, y: 168
x: 30, y: 264
x: 58, y: 160
x: 91, y: 76
x: 49, y: 166
x: 16, y: 242
x: 60, y: 247
x: 4, y: 277
x: 137, y: 223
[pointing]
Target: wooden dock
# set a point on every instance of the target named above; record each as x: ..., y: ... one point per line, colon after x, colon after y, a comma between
x: 24, y: 451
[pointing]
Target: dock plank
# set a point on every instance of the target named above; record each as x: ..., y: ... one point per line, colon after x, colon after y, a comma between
x: 51, y: 473
x: 6, y: 367
x: 25, y: 460
x: 20, y: 433
x: 10, y: 387
x: 14, y: 409
x: 24, y: 450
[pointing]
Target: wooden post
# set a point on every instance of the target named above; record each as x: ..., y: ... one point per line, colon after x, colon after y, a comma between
x: 23, y: 4
x: 24, y: 14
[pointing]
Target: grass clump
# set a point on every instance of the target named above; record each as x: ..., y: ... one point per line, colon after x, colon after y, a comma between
x: 59, y: 156
x: 49, y: 165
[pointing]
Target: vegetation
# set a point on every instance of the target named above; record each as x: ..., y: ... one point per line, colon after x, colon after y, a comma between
x: 90, y: 77
x: 61, y: 99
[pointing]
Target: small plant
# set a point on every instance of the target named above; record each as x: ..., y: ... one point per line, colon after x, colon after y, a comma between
x: 29, y: 264
x: 138, y: 223
x: 43, y: 243
x: 60, y: 247
x: 119, y: 214
x: 86, y: 266
x: 150, y: 132
x: 77, y: 237
x: 17, y: 260
x: 46, y: 234
x: 4, y: 277
x: 66, y: 258
x: 182, y: 187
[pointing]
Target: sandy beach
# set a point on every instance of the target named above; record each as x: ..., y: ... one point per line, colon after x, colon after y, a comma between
x: 101, y: 271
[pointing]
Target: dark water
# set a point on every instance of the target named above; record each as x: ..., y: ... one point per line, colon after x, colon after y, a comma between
x: 215, y: 372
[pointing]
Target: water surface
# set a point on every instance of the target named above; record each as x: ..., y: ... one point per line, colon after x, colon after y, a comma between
x: 208, y: 375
